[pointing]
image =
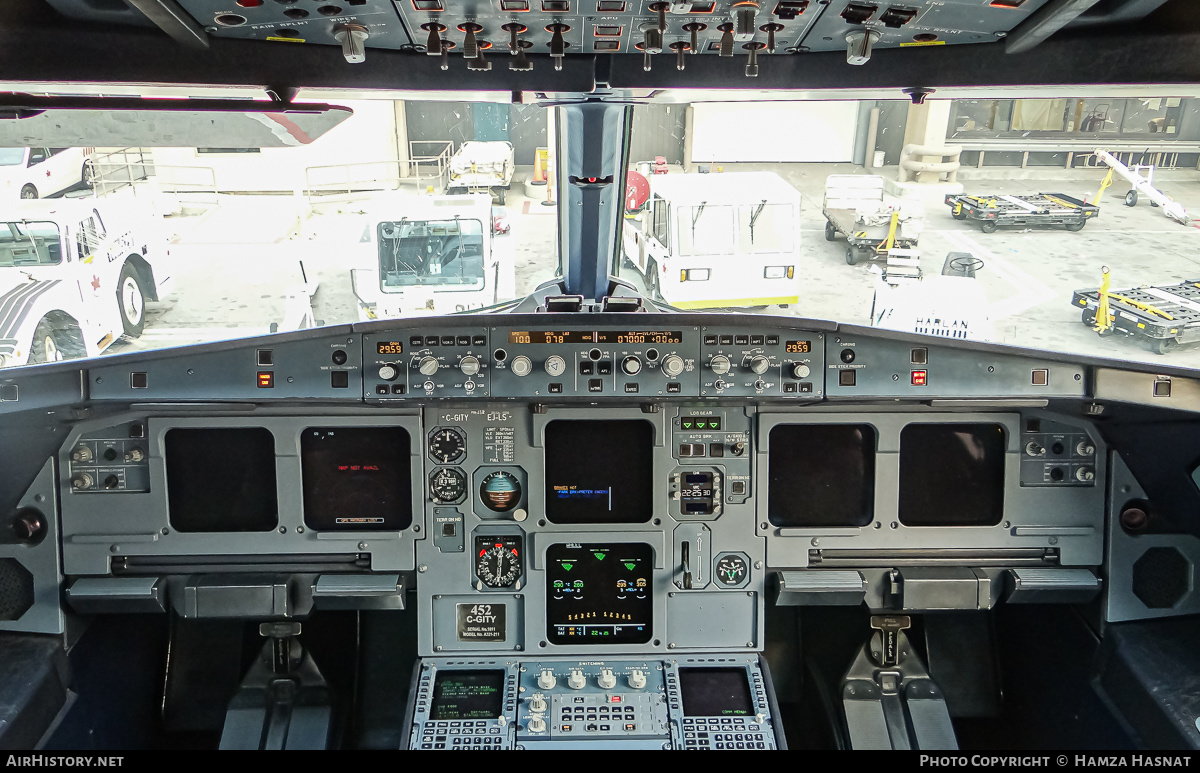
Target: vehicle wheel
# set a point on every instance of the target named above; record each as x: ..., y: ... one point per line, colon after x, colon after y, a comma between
x: 56, y: 341
x: 652, y: 286
x: 89, y: 173
x: 830, y: 231
x: 131, y: 301
x: 988, y: 226
x: 1131, y: 199
x: 1163, y: 345
x: 958, y: 215
x: 29, y: 192
x: 851, y: 254
x: 1076, y: 226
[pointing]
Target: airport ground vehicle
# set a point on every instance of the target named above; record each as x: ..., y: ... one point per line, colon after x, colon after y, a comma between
x: 1040, y: 209
x: 854, y: 208
x: 482, y: 167
x: 428, y: 254
x: 1162, y: 315
x: 796, y: 530
x: 75, y: 274
x: 35, y: 173
x: 705, y: 240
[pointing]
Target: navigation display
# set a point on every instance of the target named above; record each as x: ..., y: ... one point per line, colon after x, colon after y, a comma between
x: 821, y: 475
x: 356, y: 478
x: 600, y: 593
x: 951, y: 474
x: 599, y: 471
x: 467, y: 694
x: 715, y: 692
x: 221, y: 480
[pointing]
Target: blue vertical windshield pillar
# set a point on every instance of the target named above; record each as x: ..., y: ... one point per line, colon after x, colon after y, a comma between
x: 593, y: 142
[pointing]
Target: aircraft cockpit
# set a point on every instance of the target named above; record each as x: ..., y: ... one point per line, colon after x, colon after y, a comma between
x: 571, y: 504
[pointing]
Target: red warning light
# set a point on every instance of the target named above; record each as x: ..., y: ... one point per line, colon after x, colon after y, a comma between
x: 918, y: 378
x: 266, y: 379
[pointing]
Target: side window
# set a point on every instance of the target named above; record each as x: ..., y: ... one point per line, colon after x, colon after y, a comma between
x: 37, y: 155
x: 87, y: 238
x: 55, y: 151
x: 661, y: 222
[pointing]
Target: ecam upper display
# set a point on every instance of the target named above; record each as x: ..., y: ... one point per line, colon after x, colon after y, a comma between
x: 599, y: 471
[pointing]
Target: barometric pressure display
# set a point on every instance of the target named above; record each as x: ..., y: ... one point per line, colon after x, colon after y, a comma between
x: 798, y: 347
x: 599, y: 593
x: 447, y: 445
x: 389, y: 347
x: 498, y: 560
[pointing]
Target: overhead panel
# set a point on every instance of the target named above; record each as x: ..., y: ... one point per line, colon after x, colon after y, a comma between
x: 667, y: 31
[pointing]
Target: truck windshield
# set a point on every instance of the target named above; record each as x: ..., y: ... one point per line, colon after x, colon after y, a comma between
x: 34, y: 243
x: 705, y: 229
x: 12, y: 156
x: 430, y: 252
x: 766, y: 228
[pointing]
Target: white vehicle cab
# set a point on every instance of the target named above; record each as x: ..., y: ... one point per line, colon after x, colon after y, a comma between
x: 707, y: 240
x: 428, y: 255
x: 35, y: 173
x: 73, y: 277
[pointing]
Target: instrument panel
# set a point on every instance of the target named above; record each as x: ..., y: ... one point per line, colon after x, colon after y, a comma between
x: 586, y: 566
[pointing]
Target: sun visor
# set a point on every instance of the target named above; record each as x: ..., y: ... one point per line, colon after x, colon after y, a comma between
x: 193, y: 123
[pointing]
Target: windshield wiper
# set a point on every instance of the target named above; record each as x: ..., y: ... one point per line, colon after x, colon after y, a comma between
x: 695, y: 217
x: 754, y: 218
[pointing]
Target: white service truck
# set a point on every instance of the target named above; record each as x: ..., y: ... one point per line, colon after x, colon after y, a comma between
x: 35, y: 173
x: 427, y: 255
x: 74, y: 277
x: 718, y: 240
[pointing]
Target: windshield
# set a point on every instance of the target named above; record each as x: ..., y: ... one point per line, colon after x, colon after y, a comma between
x: 29, y: 244
x: 12, y: 156
x: 1058, y: 224
x: 430, y: 252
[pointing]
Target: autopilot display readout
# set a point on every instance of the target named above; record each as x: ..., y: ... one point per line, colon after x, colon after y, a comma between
x: 599, y: 593
x: 595, y: 337
x: 467, y: 694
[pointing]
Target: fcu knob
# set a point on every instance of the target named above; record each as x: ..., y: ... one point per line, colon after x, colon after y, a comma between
x: 800, y: 370
x: 637, y: 679
x: 759, y: 364
x: 469, y: 365
x: 631, y: 365
x: 546, y: 679
x: 428, y: 366
x: 607, y: 680
x: 719, y: 364
x: 537, y: 725
x: 388, y: 372
x: 555, y: 365
x: 537, y: 703
x: 672, y: 365
x: 576, y: 680
x: 521, y: 366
